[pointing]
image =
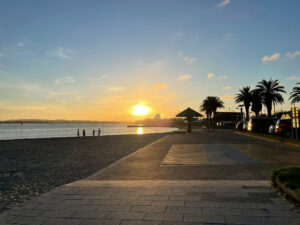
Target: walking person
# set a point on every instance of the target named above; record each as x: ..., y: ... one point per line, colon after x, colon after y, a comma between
x: 93, y: 132
x: 78, y: 132
x: 83, y: 132
x: 99, y: 132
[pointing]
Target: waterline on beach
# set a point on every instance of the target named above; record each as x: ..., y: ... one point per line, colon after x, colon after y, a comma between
x: 10, y: 131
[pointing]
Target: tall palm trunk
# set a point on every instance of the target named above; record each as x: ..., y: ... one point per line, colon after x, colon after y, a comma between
x: 269, y: 109
x: 247, y: 111
x: 214, y: 118
x: 269, y: 112
x: 247, y: 114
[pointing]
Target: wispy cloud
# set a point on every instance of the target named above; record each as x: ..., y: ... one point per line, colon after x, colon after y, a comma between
x: 139, y: 62
x: 228, y: 36
x: 184, y: 77
x: 1, y: 54
x: 99, y: 78
x: 227, y: 98
x: 227, y: 88
x: 223, y: 3
x: 64, y: 53
x: 115, y: 88
x: 273, y: 57
x: 223, y: 77
x: 160, y: 63
x: 21, y: 85
x: 24, y: 88
x: 64, y: 80
x: 210, y: 75
x: 20, y: 44
x: 292, y: 55
x: 294, y: 78
x: 159, y: 86
x: 189, y: 59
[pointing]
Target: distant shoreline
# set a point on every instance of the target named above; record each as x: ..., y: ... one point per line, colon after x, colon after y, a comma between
x: 62, y: 122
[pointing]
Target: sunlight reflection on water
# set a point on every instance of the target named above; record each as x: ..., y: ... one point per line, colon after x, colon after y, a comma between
x: 140, y: 130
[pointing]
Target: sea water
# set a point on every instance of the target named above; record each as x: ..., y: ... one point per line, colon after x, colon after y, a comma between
x: 19, y: 131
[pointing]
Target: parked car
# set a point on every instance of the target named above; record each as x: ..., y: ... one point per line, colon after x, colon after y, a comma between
x: 284, y: 127
x: 272, y: 129
x: 260, y: 125
x: 228, y: 124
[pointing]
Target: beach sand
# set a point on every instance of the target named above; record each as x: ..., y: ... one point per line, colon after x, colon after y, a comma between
x: 33, y: 166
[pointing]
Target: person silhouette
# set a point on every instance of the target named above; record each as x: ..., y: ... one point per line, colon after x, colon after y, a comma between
x: 78, y: 133
x: 83, y: 132
x: 99, y: 132
x: 93, y: 132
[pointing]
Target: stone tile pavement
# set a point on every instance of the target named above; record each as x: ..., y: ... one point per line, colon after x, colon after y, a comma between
x: 139, y: 189
x: 176, y: 202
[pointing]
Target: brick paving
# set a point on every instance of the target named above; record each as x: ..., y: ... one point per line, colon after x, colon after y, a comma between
x: 201, y: 202
x: 172, y: 201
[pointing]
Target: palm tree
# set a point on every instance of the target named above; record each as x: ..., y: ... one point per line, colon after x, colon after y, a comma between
x: 205, y: 107
x: 210, y: 106
x: 256, y: 102
x: 295, y: 95
x: 245, y: 97
x: 216, y: 103
x: 270, y: 93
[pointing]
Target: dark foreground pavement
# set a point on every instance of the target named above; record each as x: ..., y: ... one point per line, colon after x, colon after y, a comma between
x: 208, y: 177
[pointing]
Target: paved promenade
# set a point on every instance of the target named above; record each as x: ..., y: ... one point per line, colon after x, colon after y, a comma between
x: 207, y: 178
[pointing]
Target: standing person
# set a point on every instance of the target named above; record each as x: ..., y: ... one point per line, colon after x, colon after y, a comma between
x: 83, y: 132
x: 78, y: 132
x: 99, y: 132
x: 93, y: 132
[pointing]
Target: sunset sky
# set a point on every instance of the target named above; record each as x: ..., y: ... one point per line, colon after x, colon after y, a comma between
x: 95, y: 60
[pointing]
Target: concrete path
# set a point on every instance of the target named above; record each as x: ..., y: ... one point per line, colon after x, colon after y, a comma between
x: 226, y: 183
x: 230, y: 157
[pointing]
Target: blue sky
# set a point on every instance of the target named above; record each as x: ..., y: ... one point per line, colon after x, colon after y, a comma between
x: 96, y: 59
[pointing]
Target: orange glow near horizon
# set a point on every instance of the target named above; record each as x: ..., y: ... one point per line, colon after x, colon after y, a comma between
x: 140, y: 110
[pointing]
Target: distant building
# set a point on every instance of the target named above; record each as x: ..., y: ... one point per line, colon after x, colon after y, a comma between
x: 157, y: 117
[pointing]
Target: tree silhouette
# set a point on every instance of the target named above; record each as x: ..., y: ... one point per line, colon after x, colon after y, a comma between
x: 270, y: 93
x: 245, y: 97
x: 256, y: 102
x: 210, y: 105
x: 295, y: 95
x: 205, y: 107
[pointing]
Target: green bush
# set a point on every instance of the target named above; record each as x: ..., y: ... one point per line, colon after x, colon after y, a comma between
x: 289, y: 177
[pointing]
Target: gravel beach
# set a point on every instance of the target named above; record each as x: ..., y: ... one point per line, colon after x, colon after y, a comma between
x: 33, y: 166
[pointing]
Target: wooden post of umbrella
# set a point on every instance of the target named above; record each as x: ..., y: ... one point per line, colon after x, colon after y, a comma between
x: 190, y: 115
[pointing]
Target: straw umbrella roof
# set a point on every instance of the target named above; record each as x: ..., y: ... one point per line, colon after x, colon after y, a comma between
x: 189, y: 113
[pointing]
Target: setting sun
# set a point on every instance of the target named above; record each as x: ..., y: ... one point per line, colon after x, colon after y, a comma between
x: 140, y: 110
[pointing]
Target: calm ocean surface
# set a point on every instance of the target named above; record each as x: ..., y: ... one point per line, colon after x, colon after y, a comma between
x: 16, y: 131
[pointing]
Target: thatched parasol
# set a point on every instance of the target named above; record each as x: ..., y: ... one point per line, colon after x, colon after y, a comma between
x: 189, y: 114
